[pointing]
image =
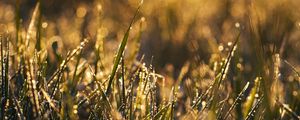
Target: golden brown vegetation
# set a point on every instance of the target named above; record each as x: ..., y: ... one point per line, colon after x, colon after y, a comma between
x: 159, y: 59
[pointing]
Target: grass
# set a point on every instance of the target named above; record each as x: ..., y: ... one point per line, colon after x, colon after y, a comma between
x: 38, y: 82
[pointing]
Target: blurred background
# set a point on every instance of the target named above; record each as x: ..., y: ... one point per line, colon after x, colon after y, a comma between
x: 173, y: 32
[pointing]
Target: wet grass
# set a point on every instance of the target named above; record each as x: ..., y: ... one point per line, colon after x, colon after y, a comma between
x: 134, y: 89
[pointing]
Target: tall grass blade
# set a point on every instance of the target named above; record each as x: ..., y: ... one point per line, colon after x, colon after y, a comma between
x: 239, y: 97
x: 120, y: 53
x: 252, y: 112
x: 31, y: 28
x: 252, y: 96
x: 214, y: 89
x: 32, y: 87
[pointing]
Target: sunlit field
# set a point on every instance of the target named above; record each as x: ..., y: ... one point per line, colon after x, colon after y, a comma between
x: 151, y: 59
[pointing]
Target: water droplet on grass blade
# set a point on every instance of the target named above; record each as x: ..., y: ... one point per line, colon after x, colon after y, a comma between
x: 229, y: 43
x: 221, y: 48
x: 237, y: 25
x: 44, y: 25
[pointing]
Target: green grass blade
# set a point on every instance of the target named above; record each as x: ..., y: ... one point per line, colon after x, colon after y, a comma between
x: 223, y: 73
x: 236, y: 100
x: 120, y: 53
x: 251, y: 98
x: 251, y: 114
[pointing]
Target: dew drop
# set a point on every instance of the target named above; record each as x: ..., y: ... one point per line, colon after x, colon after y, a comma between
x: 237, y: 25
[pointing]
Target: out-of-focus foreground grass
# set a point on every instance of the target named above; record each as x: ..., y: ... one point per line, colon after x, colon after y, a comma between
x: 160, y: 59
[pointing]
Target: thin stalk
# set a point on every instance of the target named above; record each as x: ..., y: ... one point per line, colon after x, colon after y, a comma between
x: 120, y: 53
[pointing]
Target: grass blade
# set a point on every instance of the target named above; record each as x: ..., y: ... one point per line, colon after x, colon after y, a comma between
x: 293, y: 68
x: 252, y: 96
x: 47, y: 97
x: 236, y: 100
x: 31, y: 29
x: 120, y: 53
x: 288, y: 109
x: 252, y: 112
